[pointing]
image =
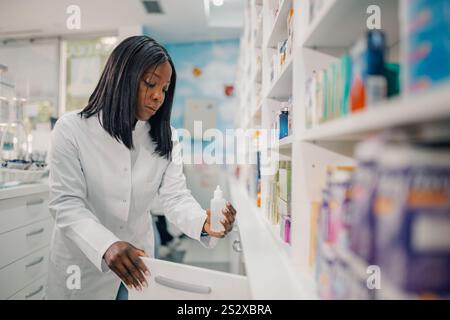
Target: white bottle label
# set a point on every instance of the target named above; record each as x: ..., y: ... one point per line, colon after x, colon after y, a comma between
x: 216, y: 214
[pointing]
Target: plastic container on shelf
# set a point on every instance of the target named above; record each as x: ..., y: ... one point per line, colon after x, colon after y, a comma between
x: 14, y: 143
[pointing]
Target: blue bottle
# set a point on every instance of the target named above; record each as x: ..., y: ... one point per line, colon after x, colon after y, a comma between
x: 284, y: 122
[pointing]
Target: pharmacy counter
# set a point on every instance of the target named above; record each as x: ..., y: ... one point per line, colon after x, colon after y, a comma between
x: 24, y: 189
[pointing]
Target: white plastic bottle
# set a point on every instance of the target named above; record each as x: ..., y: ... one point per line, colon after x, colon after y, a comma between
x: 217, y: 204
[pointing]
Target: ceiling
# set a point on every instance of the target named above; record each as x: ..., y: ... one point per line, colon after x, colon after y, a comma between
x: 181, y: 21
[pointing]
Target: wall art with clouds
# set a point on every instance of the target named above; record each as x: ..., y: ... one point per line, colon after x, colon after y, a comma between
x: 206, y: 71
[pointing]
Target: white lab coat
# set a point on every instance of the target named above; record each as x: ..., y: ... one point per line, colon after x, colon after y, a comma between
x: 91, y: 189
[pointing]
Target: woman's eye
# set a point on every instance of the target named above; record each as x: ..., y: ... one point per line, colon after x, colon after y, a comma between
x: 151, y: 85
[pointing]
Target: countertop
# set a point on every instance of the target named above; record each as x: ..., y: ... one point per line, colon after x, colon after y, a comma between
x: 24, y: 189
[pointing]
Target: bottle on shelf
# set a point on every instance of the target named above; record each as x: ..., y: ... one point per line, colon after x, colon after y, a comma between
x: 14, y: 141
x: 284, y: 121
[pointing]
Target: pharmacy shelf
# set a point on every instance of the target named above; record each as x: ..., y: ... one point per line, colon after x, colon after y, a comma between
x: 279, y: 29
x: 257, y: 76
x: 359, y: 269
x: 332, y: 27
x: 272, y: 275
x: 419, y: 108
x: 281, y: 87
x: 284, y: 144
x: 256, y: 112
x: 259, y: 34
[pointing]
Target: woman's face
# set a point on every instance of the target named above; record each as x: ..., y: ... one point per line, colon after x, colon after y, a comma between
x: 152, y: 90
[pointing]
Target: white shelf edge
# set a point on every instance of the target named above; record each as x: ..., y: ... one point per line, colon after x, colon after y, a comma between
x: 265, y: 256
x: 318, y: 19
x: 285, y: 143
x: 420, y: 108
x: 287, y: 66
x: 282, y: 14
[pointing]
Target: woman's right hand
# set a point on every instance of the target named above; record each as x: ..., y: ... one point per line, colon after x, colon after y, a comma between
x: 124, y: 259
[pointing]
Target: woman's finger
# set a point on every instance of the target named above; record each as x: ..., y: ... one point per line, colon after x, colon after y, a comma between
x: 137, y: 261
x: 228, y: 215
x: 216, y: 234
x: 122, y: 272
x: 140, y: 269
x: 226, y: 225
x: 137, y: 276
x: 231, y: 208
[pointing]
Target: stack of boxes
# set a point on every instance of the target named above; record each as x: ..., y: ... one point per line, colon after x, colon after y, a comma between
x: 359, y: 80
x: 279, y: 200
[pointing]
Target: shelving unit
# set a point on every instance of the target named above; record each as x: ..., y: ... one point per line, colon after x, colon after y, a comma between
x: 278, y: 28
x: 318, y: 42
x: 340, y: 22
x: 281, y: 87
x: 398, y: 112
x: 267, y: 259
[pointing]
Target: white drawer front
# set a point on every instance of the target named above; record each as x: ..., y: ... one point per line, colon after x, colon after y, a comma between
x: 19, y: 274
x: 20, y: 211
x: 34, y: 291
x: 21, y: 242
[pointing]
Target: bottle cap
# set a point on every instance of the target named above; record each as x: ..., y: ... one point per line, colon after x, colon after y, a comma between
x: 218, y: 193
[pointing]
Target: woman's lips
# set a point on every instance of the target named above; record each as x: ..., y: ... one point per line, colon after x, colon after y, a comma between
x: 152, y: 109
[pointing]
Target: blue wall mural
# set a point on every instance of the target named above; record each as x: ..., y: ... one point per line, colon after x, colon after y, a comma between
x: 206, y: 70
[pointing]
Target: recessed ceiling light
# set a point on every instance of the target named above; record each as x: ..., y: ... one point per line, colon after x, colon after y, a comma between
x: 218, y: 3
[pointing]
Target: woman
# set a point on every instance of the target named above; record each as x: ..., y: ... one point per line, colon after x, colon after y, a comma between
x: 107, y: 164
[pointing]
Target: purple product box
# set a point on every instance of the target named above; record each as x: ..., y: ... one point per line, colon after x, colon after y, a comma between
x: 413, y: 227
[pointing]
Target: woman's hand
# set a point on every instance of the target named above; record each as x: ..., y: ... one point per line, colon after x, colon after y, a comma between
x: 124, y: 259
x: 229, y: 215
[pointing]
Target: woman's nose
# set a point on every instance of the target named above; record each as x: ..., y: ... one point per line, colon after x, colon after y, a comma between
x: 157, y: 96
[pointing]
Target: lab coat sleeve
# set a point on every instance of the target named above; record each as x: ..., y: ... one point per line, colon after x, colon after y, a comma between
x: 68, y: 193
x: 179, y: 205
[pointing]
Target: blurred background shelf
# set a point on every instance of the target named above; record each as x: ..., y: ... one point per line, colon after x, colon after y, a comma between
x: 272, y: 275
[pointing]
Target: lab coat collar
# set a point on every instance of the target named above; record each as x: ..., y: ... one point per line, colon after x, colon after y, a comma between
x: 140, y: 128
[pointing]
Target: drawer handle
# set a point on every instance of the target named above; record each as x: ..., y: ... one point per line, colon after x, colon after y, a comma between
x: 35, y: 202
x: 183, y: 286
x: 237, y: 246
x: 35, y: 262
x: 34, y: 292
x: 34, y: 233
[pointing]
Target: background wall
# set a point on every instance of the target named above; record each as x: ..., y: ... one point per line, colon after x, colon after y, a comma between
x: 206, y: 73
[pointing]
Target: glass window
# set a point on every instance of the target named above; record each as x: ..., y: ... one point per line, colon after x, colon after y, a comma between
x: 84, y: 64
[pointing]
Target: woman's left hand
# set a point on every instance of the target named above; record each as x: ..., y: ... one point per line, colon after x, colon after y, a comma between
x: 229, y: 215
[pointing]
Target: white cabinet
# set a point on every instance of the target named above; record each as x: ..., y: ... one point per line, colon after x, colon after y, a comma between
x: 34, y: 291
x: 21, y: 273
x: 25, y: 233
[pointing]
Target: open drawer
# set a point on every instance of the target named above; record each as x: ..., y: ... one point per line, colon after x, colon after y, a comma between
x: 175, y: 281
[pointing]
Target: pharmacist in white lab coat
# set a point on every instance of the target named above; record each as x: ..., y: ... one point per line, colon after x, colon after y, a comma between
x: 107, y: 163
